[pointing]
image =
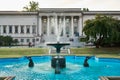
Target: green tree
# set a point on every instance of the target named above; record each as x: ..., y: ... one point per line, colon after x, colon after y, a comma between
x: 33, y: 6
x: 6, y: 40
x: 85, y: 9
x: 116, y: 31
x: 102, y: 29
x: 1, y: 40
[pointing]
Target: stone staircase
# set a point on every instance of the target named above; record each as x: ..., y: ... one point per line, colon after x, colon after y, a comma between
x: 53, y: 38
x: 76, y: 43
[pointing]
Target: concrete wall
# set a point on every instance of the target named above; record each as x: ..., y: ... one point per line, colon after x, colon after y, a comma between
x: 18, y: 19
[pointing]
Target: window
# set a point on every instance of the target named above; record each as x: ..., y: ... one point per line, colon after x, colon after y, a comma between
x: 33, y: 29
x: 28, y: 40
x: 4, y: 28
x: 16, y: 29
x: 44, y: 24
x: 22, y: 40
x: 33, y: 40
x: 28, y: 28
x: 16, y: 40
x: 22, y: 29
x: 37, y: 39
x: 10, y: 29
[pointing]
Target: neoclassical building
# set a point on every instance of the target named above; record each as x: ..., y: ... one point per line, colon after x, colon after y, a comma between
x: 47, y: 24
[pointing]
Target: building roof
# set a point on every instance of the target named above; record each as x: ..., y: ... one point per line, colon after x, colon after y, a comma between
x: 17, y: 13
x: 102, y: 12
x: 60, y: 10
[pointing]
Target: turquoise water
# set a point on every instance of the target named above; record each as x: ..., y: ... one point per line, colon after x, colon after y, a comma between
x: 74, y: 68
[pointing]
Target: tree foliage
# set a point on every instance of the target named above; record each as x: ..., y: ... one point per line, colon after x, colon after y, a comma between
x: 6, y: 41
x: 103, y: 30
x: 33, y: 6
x: 85, y: 9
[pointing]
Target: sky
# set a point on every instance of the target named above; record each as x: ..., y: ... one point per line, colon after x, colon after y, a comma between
x: 92, y: 5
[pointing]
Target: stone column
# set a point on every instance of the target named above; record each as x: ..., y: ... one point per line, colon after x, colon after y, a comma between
x: 48, y: 25
x: 1, y: 32
x: 25, y: 29
x: 64, y: 26
x: 1, y: 29
x: 7, y: 29
x: 40, y: 25
x: 56, y: 25
x: 30, y: 29
x: 80, y: 26
x: 72, y: 26
x: 19, y: 29
x: 13, y: 31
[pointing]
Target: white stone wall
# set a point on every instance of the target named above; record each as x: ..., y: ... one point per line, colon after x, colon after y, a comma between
x: 19, y: 20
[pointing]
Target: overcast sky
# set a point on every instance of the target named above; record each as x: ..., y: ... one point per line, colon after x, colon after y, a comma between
x: 17, y: 5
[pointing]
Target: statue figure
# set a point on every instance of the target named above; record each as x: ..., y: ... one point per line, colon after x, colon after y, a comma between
x: 86, y: 61
x: 31, y: 63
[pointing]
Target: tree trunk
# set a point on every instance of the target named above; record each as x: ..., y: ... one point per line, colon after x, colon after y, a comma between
x: 97, y: 46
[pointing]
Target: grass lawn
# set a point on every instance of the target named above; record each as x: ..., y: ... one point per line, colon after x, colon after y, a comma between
x: 99, y: 52
x: 19, y: 52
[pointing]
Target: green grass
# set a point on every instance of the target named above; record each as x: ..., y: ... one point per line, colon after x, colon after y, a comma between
x: 19, y: 52
x: 99, y: 52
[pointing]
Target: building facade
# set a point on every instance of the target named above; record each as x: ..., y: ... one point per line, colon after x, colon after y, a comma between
x: 47, y: 25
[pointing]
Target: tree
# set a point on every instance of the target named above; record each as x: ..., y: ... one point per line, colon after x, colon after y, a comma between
x: 33, y: 6
x: 6, y: 40
x: 102, y: 29
x: 85, y: 9
x: 1, y: 40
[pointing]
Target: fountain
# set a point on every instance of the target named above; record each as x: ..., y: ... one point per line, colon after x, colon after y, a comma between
x: 58, y: 61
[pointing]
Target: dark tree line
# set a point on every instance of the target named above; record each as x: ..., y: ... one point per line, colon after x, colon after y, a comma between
x: 7, y: 41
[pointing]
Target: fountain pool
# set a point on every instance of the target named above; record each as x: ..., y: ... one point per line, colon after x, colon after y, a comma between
x: 74, y: 70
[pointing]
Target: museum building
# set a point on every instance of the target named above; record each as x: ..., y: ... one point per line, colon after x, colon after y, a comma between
x: 47, y: 24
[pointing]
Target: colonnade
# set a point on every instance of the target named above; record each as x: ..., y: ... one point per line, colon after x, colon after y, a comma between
x: 65, y: 25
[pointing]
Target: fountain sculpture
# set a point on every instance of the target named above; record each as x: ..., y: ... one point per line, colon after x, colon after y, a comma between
x: 86, y: 61
x: 31, y: 63
x: 58, y: 61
